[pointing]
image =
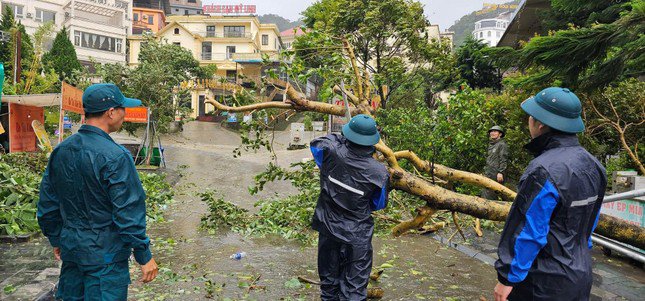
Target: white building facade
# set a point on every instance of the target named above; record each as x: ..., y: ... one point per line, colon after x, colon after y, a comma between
x: 490, y: 31
x: 97, y: 28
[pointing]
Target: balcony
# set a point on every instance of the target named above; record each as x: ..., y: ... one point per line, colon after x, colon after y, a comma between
x: 209, y: 56
x: 254, y: 57
x: 225, y: 35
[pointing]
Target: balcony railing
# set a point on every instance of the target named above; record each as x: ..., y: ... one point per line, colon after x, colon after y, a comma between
x: 254, y: 56
x: 212, y: 34
x: 209, y: 56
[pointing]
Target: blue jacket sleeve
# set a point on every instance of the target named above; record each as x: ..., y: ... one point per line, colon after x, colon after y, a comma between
x: 380, y: 197
x: 527, y: 226
x: 128, y: 200
x: 318, y: 148
x: 49, y: 217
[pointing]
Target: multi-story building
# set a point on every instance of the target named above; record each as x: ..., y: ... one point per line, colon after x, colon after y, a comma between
x: 97, y: 28
x: 290, y: 35
x: 237, y: 45
x: 490, y: 31
x: 147, y: 20
x: 186, y: 7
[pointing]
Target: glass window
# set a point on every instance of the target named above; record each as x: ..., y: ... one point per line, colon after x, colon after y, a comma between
x: 136, y: 17
x: 490, y: 33
x: 98, y: 42
x: 234, y: 31
x: 151, y: 19
x: 176, y: 30
x: 265, y: 39
x: 210, y: 30
x: 229, y: 51
x: 45, y: 15
x: 207, y: 51
x: 17, y: 9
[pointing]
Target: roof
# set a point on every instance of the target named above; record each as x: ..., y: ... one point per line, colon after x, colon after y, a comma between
x: 295, y: 31
x: 34, y: 100
x: 525, y: 23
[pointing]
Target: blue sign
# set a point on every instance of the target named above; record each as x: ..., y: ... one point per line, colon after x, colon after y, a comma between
x: 67, y: 123
x: 231, y: 118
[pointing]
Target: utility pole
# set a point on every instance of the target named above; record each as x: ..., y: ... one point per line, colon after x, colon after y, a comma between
x: 17, y: 68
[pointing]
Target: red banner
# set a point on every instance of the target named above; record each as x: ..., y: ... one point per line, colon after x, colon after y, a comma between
x: 72, y: 99
x: 22, y: 137
x: 136, y: 115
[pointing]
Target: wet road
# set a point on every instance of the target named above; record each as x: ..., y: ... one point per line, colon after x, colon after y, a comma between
x: 196, y: 264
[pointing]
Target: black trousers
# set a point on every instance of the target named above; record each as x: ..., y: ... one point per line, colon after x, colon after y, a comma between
x: 344, y: 269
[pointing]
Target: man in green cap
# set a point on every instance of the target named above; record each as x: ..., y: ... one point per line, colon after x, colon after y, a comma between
x: 352, y: 185
x: 544, y: 250
x: 496, y: 160
x: 92, y: 205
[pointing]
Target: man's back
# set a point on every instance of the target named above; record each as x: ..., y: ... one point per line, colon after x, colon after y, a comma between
x: 92, y: 182
x: 548, y: 240
x: 350, y: 178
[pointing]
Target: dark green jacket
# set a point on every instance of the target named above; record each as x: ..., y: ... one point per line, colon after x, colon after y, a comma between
x: 497, y: 158
x: 92, y: 204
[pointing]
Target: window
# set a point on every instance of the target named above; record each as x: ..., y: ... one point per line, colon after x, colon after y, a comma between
x: 287, y: 45
x: 186, y: 12
x: 98, y: 42
x: 176, y: 43
x: 45, y: 15
x: 481, y: 34
x: 265, y: 39
x: 176, y: 30
x: 229, y: 51
x: 233, y: 31
x: 17, y: 9
x: 136, y: 17
x: 192, y: 1
x: 490, y: 33
x: 207, y: 51
x: 151, y: 19
x: 210, y: 30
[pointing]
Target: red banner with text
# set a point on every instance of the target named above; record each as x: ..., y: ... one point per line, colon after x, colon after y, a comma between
x: 22, y: 137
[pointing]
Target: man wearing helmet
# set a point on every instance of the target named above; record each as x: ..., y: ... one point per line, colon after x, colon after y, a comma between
x: 352, y: 185
x: 496, y: 160
x: 544, y: 250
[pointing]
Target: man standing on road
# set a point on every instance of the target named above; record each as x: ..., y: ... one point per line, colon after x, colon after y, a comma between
x: 496, y: 159
x: 352, y: 185
x: 544, y: 251
x: 92, y: 205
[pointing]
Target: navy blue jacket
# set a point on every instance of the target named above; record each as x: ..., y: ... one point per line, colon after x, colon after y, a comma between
x: 92, y: 204
x: 352, y: 185
x: 544, y: 249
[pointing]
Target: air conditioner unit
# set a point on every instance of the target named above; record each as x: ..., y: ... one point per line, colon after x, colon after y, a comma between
x: 28, y: 15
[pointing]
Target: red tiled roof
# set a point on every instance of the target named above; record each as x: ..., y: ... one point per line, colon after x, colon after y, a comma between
x: 290, y: 32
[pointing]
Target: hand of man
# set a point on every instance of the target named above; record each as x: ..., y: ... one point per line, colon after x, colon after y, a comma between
x: 149, y: 271
x: 500, y: 178
x: 57, y: 253
x: 502, y: 291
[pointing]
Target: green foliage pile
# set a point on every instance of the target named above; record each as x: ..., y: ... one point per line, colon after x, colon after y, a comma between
x: 159, y: 195
x: 221, y: 214
x: 20, y: 177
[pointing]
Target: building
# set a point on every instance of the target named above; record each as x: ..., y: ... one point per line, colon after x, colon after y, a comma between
x: 525, y: 23
x: 97, y: 28
x: 490, y: 31
x: 147, y: 20
x: 163, y: 5
x: 237, y: 45
x: 290, y: 35
x: 434, y: 34
x: 186, y: 7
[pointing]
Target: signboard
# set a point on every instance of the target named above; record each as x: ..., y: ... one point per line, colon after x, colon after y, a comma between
x: 136, y: 115
x: 489, y: 7
x: 238, y: 9
x: 67, y: 123
x: 42, y: 136
x: 630, y: 211
x: 72, y: 99
x: 22, y: 137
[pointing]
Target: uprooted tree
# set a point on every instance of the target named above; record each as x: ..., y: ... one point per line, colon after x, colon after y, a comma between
x: 435, y: 196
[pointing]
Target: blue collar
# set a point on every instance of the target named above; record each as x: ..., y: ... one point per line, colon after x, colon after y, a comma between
x: 92, y: 129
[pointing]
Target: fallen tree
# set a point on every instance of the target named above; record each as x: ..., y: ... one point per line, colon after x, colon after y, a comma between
x: 436, y: 197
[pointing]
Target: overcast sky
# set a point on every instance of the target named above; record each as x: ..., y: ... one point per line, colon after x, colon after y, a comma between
x: 442, y: 12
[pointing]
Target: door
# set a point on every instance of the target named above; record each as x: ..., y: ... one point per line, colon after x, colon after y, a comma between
x: 202, y: 105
